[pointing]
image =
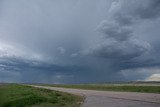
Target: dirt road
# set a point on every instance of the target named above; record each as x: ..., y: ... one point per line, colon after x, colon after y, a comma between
x: 112, y: 99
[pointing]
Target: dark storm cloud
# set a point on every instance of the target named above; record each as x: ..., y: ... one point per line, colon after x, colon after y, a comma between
x: 19, y: 70
x: 56, y: 42
x: 126, y: 13
x: 150, y: 10
x: 120, y: 44
x: 114, y: 30
x: 119, y: 50
x: 119, y: 40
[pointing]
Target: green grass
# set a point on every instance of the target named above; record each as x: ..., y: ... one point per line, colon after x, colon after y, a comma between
x: 114, y: 87
x: 14, y: 95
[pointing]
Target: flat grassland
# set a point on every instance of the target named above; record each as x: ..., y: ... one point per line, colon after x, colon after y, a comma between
x: 144, y: 88
x: 14, y: 95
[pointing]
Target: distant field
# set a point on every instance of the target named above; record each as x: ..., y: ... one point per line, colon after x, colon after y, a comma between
x: 116, y: 87
x: 13, y: 95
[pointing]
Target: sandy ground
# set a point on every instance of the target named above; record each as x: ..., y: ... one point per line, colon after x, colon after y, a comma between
x: 112, y: 99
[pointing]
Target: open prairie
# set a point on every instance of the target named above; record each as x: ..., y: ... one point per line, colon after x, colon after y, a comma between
x: 146, y: 87
x: 14, y: 95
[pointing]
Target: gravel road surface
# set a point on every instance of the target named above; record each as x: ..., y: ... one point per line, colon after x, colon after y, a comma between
x: 112, y: 99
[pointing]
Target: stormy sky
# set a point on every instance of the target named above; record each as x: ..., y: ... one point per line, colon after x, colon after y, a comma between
x: 79, y: 41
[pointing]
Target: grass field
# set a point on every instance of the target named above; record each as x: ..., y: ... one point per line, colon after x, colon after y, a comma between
x: 14, y: 95
x: 115, y: 87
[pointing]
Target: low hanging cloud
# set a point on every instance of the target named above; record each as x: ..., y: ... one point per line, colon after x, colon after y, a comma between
x: 118, y: 42
x: 114, y: 30
x: 117, y: 31
x: 127, y: 50
x: 57, y: 41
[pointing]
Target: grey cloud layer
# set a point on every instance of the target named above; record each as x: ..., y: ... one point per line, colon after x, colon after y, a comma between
x: 56, y: 40
x: 119, y: 41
